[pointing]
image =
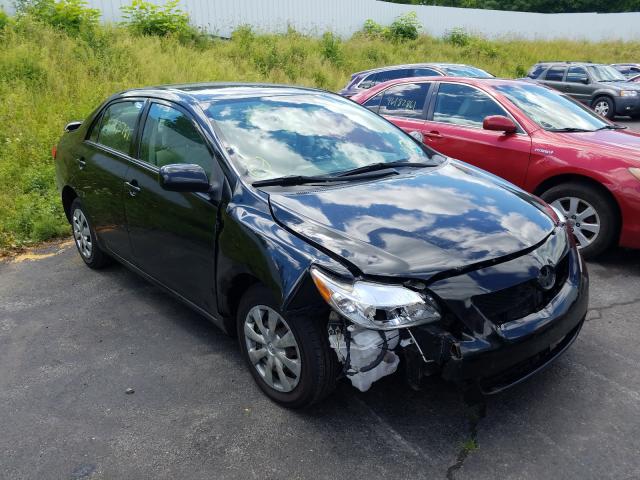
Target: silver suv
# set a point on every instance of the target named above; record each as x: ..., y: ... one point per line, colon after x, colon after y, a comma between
x: 601, y: 87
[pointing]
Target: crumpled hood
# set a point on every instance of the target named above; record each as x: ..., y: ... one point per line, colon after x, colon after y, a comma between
x: 417, y: 224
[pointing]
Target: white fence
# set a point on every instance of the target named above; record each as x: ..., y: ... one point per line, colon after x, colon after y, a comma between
x: 344, y: 17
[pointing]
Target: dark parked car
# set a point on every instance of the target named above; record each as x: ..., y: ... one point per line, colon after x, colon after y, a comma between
x: 627, y: 69
x: 370, y: 78
x: 601, y: 87
x: 328, y: 240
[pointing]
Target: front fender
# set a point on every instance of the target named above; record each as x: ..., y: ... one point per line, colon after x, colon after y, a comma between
x: 252, y: 245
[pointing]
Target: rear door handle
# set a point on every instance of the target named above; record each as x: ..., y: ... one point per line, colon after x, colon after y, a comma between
x: 433, y: 134
x: 81, y: 163
x: 133, y: 187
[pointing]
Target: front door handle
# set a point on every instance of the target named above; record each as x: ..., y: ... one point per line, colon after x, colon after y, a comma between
x: 432, y: 134
x: 133, y: 187
x: 81, y: 163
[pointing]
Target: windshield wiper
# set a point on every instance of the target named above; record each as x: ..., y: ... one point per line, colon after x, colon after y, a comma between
x: 384, y: 166
x: 612, y: 127
x: 303, y: 179
x: 569, y: 130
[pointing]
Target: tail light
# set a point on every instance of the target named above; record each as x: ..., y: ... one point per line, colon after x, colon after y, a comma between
x: 54, y: 152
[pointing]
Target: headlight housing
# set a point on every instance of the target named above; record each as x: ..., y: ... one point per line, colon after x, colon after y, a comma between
x: 635, y: 172
x: 376, y: 306
x: 628, y: 93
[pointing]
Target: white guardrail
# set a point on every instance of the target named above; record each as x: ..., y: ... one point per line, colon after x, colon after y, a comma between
x: 344, y: 17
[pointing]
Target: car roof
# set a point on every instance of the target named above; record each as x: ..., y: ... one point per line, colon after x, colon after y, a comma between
x: 415, y: 65
x: 199, y: 92
x: 491, y: 82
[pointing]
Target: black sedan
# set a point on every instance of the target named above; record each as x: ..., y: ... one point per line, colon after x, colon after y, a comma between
x: 330, y: 242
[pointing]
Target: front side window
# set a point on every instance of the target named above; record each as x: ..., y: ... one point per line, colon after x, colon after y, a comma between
x: 280, y: 135
x: 577, y: 75
x: 555, y: 74
x: 373, y: 103
x: 464, y: 105
x: 536, y: 71
x: 550, y: 109
x: 170, y: 137
x: 115, y: 129
x: 406, y: 100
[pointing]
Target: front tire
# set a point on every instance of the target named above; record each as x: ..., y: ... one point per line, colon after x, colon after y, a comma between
x: 589, y: 212
x: 289, y: 358
x: 604, y: 107
x: 85, y: 238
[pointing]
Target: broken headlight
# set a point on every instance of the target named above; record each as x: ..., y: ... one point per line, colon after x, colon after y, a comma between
x: 375, y: 305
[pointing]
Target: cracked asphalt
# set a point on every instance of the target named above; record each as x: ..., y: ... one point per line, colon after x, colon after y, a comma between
x: 73, y: 340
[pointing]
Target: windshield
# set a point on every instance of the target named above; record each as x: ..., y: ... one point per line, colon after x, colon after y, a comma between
x: 550, y: 109
x: 604, y: 73
x: 469, y: 72
x: 307, y: 134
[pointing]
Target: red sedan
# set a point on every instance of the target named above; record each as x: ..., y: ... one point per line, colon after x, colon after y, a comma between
x: 584, y: 165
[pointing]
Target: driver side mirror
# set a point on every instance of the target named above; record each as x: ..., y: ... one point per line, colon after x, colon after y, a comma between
x: 499, y: 123
x: 585, y: 80
x: 180, y: 177
x: 366, y: 85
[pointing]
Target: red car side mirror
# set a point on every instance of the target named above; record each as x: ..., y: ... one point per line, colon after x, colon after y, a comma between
x: 499, y: 123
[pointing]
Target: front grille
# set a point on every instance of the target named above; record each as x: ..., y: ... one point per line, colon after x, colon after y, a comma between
x: 515, y: 302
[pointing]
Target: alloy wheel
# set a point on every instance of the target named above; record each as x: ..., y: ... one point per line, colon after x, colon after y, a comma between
x: 81, y: 233
x: 272, y: 348
x: 601, y: 108
x: 581, y: 217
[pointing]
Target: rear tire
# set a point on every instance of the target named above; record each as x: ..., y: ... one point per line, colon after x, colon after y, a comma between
x: 586, y: 196
x: 604, y: 107
x: 85, y: 238
x: 304, y: 370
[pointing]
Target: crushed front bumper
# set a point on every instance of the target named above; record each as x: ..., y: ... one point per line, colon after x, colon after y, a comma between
x: 497, y: 356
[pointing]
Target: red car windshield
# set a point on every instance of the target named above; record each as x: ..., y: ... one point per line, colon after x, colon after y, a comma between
x: 549, y: 109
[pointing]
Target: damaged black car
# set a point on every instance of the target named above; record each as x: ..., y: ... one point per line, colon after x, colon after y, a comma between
x: 333, y: 244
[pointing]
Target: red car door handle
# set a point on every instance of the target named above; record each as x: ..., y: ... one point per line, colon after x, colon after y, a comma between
x: 433, y: 134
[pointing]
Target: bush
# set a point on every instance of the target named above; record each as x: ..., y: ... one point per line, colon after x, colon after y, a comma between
x: 331, y: 48
x: 4, y: 19
x: 458, y: 37
x: 71, y: 16
x: 404, y: 27
x: 145, y: 18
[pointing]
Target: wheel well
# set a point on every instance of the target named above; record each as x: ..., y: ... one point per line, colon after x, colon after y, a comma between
x: 603, y: 95
x: 68, y: 196
x: 571, y: 178
x: 239, y: 285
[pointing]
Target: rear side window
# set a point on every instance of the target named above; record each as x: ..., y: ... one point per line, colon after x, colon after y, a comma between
x: 536, y: 71
x: 170, y: 137
x: 577, y: 75
x: 555, y: 74
x: 406, y: 100
x: 386, y: 75
x: 115, y: 129
x: 464, y: 105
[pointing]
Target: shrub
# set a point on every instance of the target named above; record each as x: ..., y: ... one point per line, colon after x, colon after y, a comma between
x: 458, y: 37
x: 4, y: 19
x: 331, y: 48
x: 71, y: 16
x: 405, y: 27
x: 146, y: 18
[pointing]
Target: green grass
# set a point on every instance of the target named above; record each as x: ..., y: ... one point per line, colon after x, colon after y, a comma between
x: 48, y: 79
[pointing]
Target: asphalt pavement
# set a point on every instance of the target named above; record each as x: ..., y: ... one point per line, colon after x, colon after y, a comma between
x: 73, y: 340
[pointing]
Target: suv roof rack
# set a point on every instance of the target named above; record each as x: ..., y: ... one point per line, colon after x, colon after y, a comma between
x: 564, y: 61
